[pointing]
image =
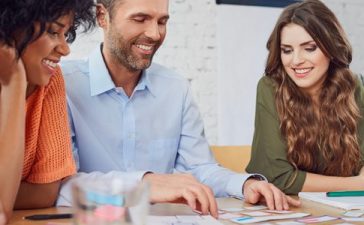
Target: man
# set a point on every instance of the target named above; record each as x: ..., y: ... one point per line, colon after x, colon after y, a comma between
x: 130, y: 115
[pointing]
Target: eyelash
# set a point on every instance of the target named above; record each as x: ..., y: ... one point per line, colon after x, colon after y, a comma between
x: 142, y: 21
x: 309, y: 49
x: 53, y: 33
x: 285, y: 51
x: 139, y: 20
x: 163, y: 22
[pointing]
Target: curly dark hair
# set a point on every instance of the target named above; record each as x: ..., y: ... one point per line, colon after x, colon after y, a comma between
x: 18, y: 18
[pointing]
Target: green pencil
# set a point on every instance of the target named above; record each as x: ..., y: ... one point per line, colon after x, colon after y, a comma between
x: 344, y: 193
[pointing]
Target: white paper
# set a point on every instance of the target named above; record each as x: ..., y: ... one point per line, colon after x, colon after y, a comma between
x: 258, y: 207
x: 182, y: 220
x: 290, y: 223
x: 352, y: 219
x: 232, y: 209
x: 247, y: 219
x: 227, y: 216
x: 192, y: 218
x: 279, y: 211
x: 256, y: 213
x: 347, y: 203
x: 356, y: 213
x: 317, y: 219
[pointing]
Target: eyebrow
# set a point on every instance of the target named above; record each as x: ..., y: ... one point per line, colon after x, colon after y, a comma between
x: 146, y: 15
x: 59, y: 24
x: 302, y: 44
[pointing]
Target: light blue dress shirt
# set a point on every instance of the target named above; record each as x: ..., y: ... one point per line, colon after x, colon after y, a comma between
x: 158, y: 129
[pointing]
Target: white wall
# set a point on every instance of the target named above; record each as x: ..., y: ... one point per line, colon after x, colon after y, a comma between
x: 242, y: 36
x: 351, y: 16
x: 192, y: 49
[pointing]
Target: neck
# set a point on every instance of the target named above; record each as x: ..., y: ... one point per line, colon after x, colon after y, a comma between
x: 121, y: 76
x: 30, y: 89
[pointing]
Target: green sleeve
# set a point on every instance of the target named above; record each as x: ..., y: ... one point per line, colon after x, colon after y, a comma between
x: 269, y: 150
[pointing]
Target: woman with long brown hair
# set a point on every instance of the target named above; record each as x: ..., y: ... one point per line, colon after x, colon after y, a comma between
x: 309, y: 125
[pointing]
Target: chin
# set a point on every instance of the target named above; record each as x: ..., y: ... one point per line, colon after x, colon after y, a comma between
x: 44, y: 79
x: 43, y: 82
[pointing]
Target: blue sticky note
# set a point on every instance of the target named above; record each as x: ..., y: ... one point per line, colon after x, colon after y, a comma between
x: 103, y: 199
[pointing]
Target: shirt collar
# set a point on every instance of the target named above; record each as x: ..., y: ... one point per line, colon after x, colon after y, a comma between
x: 100, y: 79
x: 144, y: 82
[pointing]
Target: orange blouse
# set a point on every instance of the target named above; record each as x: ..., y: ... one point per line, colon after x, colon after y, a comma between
x: 48, y: 153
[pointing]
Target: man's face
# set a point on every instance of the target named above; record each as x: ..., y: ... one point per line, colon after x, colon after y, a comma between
x: 135, y: 31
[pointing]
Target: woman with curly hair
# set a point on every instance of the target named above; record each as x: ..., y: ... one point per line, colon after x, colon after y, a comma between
x: 35, y: 150
x: 309, y: 124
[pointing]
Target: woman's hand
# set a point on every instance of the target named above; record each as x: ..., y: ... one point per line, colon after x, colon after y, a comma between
x: 2, y: 215
x: 11, y: 68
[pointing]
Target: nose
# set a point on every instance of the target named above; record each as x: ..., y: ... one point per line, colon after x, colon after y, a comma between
x: 63, y: 48
x: 297, y: 58
x: 153, y: 32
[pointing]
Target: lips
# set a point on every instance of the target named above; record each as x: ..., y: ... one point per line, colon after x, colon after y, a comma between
x: 145, y: 48
x: 302, y: 72
x: 51, y: 65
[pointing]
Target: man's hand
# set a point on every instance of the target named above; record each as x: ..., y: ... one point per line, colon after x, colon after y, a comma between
x: 256, y: 191
x: 181, y: 188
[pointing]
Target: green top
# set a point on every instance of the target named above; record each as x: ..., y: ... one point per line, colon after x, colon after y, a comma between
x: 269, y: 149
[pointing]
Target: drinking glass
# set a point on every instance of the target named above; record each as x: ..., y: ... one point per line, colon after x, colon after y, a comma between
x: 110, y: 202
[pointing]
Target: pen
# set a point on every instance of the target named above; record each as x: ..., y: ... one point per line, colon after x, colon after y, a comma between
x: 344, y: 193
x: 49, y: 216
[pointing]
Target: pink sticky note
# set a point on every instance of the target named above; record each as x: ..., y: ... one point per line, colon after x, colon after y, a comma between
x: 109, y: 212
x: 53, y: 223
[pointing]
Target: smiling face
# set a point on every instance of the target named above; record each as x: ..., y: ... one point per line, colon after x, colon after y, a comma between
x: 41, y: 56
x: 135, y: 31
x: 303, y: 60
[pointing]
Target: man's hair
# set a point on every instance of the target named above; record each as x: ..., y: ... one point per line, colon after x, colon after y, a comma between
x: 18, y: 18
x: 332, y: 134
x: 110, y: 5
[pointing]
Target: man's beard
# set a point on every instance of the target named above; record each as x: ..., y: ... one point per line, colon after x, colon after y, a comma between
x: 121, y: 50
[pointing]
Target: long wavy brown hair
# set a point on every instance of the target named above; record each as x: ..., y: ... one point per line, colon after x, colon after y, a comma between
x: 324, y: 142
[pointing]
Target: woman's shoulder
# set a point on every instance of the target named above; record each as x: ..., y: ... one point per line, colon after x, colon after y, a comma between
x: 359, y: 91
x: 266, y: 82
x: 266, y: 88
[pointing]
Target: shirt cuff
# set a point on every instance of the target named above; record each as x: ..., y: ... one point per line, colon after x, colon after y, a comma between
x: 257, y: 176
x: 297, y: 185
